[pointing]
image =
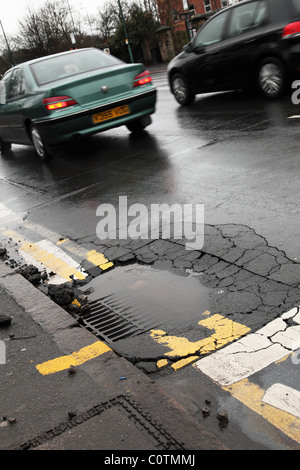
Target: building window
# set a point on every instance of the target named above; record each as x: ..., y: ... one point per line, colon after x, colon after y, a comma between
x: 207, y: 5
x: 224, y: 3
x: 175, y: 15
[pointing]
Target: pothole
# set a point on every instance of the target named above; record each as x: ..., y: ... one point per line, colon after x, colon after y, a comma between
x: 134, y: 299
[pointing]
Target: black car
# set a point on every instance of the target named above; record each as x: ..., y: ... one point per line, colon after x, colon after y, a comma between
x: 253, y: 42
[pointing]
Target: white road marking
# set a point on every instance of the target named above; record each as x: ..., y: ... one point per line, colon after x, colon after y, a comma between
x: 30, y: 260
x: 46, y: 254
x: 49, y: 257
x: 253, y: 352
x: 60, y: 254
x: 283, y: 397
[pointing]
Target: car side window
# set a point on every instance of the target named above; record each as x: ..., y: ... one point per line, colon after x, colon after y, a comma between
x: 211, y: 32
x: 246, y: 17
x: 4, y: 87
x: 16, y: 85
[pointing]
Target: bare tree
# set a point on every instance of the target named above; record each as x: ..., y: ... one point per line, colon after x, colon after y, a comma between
x: 109, y: 17
x: 46, y: 30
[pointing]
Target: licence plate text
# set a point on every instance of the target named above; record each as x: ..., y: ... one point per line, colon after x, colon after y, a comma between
x: 111, y: 113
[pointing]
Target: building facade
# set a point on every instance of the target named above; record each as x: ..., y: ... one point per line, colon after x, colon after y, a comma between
x: 180, y: 20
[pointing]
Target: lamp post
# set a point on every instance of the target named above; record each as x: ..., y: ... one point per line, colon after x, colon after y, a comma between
x: 72, y: 34
x: 8, y: 48
x: 125, y: 31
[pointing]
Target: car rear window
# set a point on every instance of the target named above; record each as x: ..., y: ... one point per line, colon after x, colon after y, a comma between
x: 54, y: 68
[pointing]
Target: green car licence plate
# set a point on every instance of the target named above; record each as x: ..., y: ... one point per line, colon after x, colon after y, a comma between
x: 111, y: 113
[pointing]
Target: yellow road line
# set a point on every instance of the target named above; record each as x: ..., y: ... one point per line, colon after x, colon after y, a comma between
x: 57, y: 265
x: 251, y: 395
x: 98, y: 259
x: 225, y: 331
x: 50, y: 261
x: 75, y: 359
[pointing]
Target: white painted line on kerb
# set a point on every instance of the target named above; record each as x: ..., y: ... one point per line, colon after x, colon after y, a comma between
x: 52, y: 258
x: 59, y: 253
x: 254, y: 352
x: 30, y: 260
x: 283, y: 397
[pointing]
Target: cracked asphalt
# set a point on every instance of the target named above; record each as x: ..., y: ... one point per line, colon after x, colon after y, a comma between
x: 247, y: 281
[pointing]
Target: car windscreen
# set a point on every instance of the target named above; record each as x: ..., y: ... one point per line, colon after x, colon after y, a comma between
x: 52, y: 68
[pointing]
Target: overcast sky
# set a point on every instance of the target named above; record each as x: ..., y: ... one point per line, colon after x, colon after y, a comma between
x: 14, y: 10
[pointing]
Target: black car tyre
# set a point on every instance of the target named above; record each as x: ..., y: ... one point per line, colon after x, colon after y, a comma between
x: 138, y: 125
x: 272, y: 78
x: 40, y: 148
x: 181, y: 91
x: 4, y: 146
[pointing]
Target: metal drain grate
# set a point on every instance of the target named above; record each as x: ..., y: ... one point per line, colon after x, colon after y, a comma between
x: 121, y: 315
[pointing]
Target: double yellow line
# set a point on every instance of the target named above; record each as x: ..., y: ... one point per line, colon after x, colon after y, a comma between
x: 49, y: 255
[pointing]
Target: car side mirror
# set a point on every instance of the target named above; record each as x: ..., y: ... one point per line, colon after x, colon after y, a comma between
x: 187, y: 47
x: 200, y: 49
x: 2, y: 93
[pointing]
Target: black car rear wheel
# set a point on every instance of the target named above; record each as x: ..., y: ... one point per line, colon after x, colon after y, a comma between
x: 181, y: 90
x: 272, y: 78
x: 40, y: 148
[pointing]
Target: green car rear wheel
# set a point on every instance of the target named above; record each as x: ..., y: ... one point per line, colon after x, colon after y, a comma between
x: 40, y: 148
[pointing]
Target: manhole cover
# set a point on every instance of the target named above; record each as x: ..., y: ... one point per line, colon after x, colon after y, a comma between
x: 118, y: 424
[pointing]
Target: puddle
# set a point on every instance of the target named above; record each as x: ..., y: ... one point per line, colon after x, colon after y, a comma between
x: 137, y: 298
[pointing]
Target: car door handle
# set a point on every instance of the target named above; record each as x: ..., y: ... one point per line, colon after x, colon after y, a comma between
x: 249, y: 41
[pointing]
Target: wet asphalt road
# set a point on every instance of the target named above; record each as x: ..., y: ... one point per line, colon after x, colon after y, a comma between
x: 235, y: 153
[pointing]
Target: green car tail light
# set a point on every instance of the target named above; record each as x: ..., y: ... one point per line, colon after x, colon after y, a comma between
x: 58, y: 102
x: 142, y: 79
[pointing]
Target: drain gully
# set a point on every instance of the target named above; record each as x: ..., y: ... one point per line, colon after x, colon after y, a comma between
x: 120, y: 315
x: 130, y: 301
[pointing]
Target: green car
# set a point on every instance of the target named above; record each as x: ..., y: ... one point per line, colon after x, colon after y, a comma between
x: 53, y: 99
